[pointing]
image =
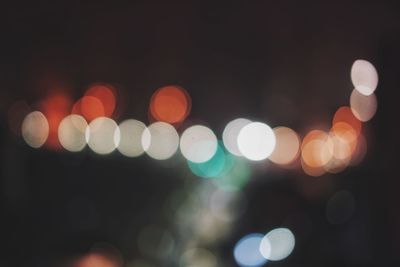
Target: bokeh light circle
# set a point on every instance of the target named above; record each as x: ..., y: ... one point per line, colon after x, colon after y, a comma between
x: 35, y: 129
x: 71, y: 133
x: 231, y: 133
x: 198, y: 144
x: 256, y: 141
x: 130, y: 143
x: 363, y: 107
x: 278, y: 244
x: 160, y: 140
x: 247, y: 251
x: 100, y: 135
x: 364, y: 76
x: 287, y: 146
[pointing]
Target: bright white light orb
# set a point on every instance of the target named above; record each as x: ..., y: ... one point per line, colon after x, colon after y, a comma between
x: 364, y: 76
x: 247, y: 251
x: 35, y: 129
x: 71, y: 133
x: 278, y: 244
x: 160, y: 140
x: 130, y: 143
x: 198, y: 144
x: 102, y: 135
x: 230, y: 135
x: 256, y: 141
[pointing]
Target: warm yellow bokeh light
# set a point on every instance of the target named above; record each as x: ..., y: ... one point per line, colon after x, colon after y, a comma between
x: 71, y: 133
x: 287, y: 146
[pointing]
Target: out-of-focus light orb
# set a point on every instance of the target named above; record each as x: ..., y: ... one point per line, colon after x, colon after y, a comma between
x: 95, y: 260
x: 344, y: 114
x: 198, y: 257
x: 256, y: 141
x: 170, y: 104
x: 214, y: 167
x: 278, y: 244
x: 316, y: 152
x: 89, y: 107
x: 364, y: 76
x: 231, y: 133
x: 35, y: 129
x: 340, y: 207
x: 287, y: 146
x: 160, y: 140
x: 130, y: 143
x: 71, y: 133
x: 363, y: 107
x: 247, y: 251
x: 156, y: 242
x: 101, y: 135
x: 105, y: 93
x: 198, y: 144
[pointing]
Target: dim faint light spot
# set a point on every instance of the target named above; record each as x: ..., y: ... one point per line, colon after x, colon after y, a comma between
x: 363, y: 107
x: 247, y: 251
x: 160, y: 140
x: 71, y: 133
x: 231, y: 133
x: 130, y: 143
x: 364, y: 76
x: 105, y: 93
x: 360, y: 151
x: 256, y: 141
x: 35, y: 129
x: 227, y: 206
x: 156, y: 242
x: 95, y: 260
x: 100, y: 135
x: 198, y: 144
x: 170, y: 104
x: 198, y: 257
x: 340, y: 207
x: 236, y: 178
x: 278, y: 244
x: 287, y: 146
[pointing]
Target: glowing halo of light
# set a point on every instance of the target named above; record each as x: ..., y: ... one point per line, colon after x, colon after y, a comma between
x: 130, y: 140
x: 256, y: 141
x: 278, y: 244
x: 344, y: 114
x: 364, y: 76
x: 105, y: 93
x: 35, y: 129
x: 160, y: 140
x: 170, y: 104
x: 198, y: 144
x: 287, y: 146
x: 247, y: 251
x: 230, y: 135
x: 89, y: 107
x: 363, y: 107
x: 71, y: 133
x: 198, y: 257
x: 100, y: 135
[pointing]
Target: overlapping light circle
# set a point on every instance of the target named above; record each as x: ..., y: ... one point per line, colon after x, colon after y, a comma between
x: 103, y: 135
x: 35, y: 129
x: 198, y: 144
x: 71, y: 133
x: 247, y: 251
x: 278, y: 244
x: 160, y: 140
x: 231, y: 133
x: 364, y: 76
x: 130, y: 139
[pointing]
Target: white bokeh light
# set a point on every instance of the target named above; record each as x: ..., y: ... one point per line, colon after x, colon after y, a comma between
x: 130, y: 140
x: 363, y: 107
x: 71, y: 133
x: 231, y: 133
x: 102, y: 135
x: 278, y: 244
x: 198, y: 143
x: 256, y: 141
x: 35, y: 129
x: 364, y: 76
x: 160, y: 140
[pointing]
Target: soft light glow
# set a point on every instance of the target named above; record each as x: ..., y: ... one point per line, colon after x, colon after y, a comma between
x: 95, y: 260
x: 316, y: 152
x: 170, y: 104
x: 227, y: 206
x: 198, y: 257
x: 156, y: 242
x: 287, y: 146
x: 231, y: 133
x: 100, y: 135
x: 35, y: 129
x: 236, y: 178
x: 344, y: 114
x: 256, y: 141
x: 363, y: 107
x: 130, y: 143
x: 364, y: 76
x: 89, y: 107
x: 247, y: 251
x: 198, y: 144
x: 160, y: 140
x: 105, y: 93
x: 278, y: 244
x: 71, y: 133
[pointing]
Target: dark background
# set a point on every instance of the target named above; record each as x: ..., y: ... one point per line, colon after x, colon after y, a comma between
x: 283, y: 62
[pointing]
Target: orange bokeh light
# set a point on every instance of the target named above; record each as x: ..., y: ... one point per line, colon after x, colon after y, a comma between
x: 89, y: 107
x: 170, y: 104
x: 55, y: 107
x: 106, y: 94
x: 344, y: 114
x: 95, y: 260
